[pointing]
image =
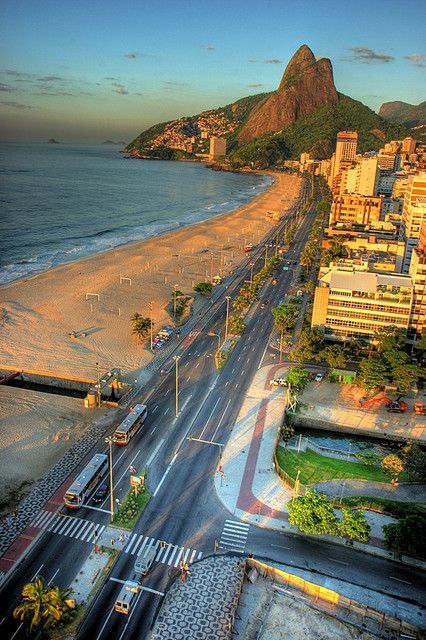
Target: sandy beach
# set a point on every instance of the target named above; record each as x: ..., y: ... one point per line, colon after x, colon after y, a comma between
x: 41, y: 311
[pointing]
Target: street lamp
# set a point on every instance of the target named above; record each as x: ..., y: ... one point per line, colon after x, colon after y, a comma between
x: 150, y: 327
x: 109, y: 442
x: 98, y: 385
x: 174, y: 300
x: 176, y: 359
x: 227, y: 316
x: 251, y: 272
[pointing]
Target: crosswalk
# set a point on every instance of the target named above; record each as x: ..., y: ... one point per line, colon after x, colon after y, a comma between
x: 166, y: 552
x: 136, y: 544
x: 234, y: 536
x: 78, y: 528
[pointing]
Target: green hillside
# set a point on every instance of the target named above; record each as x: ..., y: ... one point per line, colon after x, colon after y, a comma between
x: 317, y: 134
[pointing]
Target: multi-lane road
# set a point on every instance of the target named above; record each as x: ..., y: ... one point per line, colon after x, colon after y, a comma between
x: 184, y: 510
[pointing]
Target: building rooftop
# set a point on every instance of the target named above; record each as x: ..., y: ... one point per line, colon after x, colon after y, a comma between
x: 364, y: 281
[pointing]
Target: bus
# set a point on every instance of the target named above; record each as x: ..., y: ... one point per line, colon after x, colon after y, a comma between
x: 130, y: 425
x: 88, y: 479
x: 126, y: 596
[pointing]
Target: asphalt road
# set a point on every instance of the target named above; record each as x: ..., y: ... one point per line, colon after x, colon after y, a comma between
x: 184, y: 510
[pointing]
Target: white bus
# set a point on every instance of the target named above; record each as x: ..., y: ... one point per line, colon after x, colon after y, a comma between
x: 130, y: 424
x: 126, y: 596
x: 88, y: 479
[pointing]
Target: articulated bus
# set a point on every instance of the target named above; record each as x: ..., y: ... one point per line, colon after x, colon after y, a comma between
x: 88, y: 479
x: 130, y: 424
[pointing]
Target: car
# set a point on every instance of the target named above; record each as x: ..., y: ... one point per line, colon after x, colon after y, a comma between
x: 100, y: 494
x: 319, y: 376
x: 278, y: 382
x: 144, y: 564
x: 262, y: 306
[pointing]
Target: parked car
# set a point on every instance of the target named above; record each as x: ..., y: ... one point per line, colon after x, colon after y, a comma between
x: 318, y: 377
x: 278, y: 382
x: 100, y: 494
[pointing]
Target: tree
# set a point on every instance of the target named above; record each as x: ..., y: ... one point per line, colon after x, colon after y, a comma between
x: 354, y: 525
x: 42, y: 606
x: 205, y: 288
x: 421, y: 344
x: 393, y: 466
x: 405, y: 375
x: 406, y: 536
x: 311, y: 341
x: 285, y: 316
x: 298, y: 378
x: 140, y: 325
x: 389, y: 338
x: 415, y: 462
x: 287, y: 432
x: 313, y: 513
x: 334, y: 356
x: 236, y: 325
x: 373, y: 373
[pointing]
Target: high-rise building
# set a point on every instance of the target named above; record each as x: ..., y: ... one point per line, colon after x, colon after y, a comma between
x: 413, y: 214
x: 354, y: 209
x: 343, y: 157
x: 217, y: 147
x: 418, y: 276
x: 408, y: 145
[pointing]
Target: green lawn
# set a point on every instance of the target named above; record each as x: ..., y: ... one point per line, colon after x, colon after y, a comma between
x: 317, y: 468
x: 131, y: 509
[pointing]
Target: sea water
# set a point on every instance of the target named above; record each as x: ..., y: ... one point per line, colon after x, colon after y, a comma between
x: 62, y: 202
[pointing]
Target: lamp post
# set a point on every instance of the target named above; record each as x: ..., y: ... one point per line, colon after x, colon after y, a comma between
x: 266, y: 254
x: 281, y: 346
x: 98, y: 385
x: 176, y: 359
x: 174, y: 300
x: 109, y: 442
x: 227, y: 316
x: 251, y: 272
x: 150, y: 327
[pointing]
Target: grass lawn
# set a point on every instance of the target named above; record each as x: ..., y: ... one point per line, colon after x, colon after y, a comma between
x: 317, y: 468
x: 131, y: 509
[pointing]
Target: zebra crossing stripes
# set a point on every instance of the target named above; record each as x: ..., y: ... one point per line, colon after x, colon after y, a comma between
x: 234, y: 536
x: 78, y: 528
x: 170, y: 554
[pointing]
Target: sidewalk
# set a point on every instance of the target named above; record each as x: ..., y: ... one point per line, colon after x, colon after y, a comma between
x: 250, y: 488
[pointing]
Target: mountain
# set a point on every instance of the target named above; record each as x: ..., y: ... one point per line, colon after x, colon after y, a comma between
x: 303, y: 114
x: 53, y: 141
x: 306, y: 85
x: 409, y: 115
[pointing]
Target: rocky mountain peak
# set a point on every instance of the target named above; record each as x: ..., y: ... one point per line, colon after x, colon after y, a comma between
x: 306, y: 85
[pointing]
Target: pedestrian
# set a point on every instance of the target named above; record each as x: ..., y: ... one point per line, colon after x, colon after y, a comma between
x: 112, y: 542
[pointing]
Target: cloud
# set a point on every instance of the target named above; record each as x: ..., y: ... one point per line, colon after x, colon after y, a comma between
x: 53, y: 93
x: 418, y: 59
x: 49, y: 79
x: 17, y: 74
x: 120, y: 89
x: 131, y: 55
x: 5, y: 87
x: 210, y: 48
x: 110, y: 78
x: 367, y: 56
x: 255, y: 84
x: 272, y: 61
x: 252, y: 60
x: 15, y: 105
x: 175, y: 84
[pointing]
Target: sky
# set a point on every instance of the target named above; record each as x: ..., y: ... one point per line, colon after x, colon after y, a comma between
x: 90, y: 70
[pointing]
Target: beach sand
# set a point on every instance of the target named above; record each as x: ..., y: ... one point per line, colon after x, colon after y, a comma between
x: 41, y: 311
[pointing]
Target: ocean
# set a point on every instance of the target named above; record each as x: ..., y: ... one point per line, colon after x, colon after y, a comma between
x: 62, y: 202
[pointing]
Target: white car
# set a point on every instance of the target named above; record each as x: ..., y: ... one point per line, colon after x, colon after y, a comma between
x: 278, y: 382
x: 319, y: 377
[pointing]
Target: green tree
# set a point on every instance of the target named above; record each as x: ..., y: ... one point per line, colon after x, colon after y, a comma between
x: 140, y: 325
x: 405, y: 375
x: 205, y: 288
x: 421, y: 344
x: 41, y: 607
x: 415, y: 462
x: 313, y: 513
x: 287, y: 432
x: 373, y: 373
x: 407, y: 536
x: 236, y: 325
x: 393, y: 466
x: 334, y: 356
x: 311, y: 341
x: 389, y: 339
x: 285, y: 316
x: 298, y: 378
x: 354, y: 525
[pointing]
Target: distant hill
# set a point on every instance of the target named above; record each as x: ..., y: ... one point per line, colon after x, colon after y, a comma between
x: 304, y: 114
x: 410, y: 116
x: 120, y: 142
x: 53, y: 141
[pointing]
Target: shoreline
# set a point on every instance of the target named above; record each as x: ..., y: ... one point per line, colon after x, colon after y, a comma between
x: 41, y: 310
x: 180, y: 225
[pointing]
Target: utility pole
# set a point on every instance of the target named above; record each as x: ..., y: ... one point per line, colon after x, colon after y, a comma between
x: 266, y: 254
x: 251, y: 272
x: 109, y: 441
x: 281, y: 346
x: 98, y: 385
x: 174, y: 300
x: 151, y: 329
x: 176, y: 359
x: 276, y: 245
x: 211, y: 267
x: 227, y: 316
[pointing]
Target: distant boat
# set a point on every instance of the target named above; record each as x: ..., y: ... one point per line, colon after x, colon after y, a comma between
x: 53, y: 141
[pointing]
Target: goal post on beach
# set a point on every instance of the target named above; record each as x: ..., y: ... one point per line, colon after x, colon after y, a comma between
x: 125, y: 279
x: 93, y: 295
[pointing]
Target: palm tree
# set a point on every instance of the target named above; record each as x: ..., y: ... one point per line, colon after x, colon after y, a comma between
x: 41, y: 606
x: 141, y: 325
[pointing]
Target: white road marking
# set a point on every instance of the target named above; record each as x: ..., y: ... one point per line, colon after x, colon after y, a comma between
x: 54, y: 576
x: 155, y: 409
x: 161, y: 481
x: 166, y: 412
x: 127, y: 470
x: 154, y: 453
x: 263, y: 355
x: 188, y: 378
x: 280, y: 546
x: 208, y: 419
x: 220, y: 421
x: 399, y: 580
x: 197, y: 365
x: 153, y: 431
x: 339, y: 561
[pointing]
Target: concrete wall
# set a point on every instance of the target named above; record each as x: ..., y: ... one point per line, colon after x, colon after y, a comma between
x: 38, y: 377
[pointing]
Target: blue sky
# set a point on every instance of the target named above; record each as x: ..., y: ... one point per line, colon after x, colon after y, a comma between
x: 88, y: 70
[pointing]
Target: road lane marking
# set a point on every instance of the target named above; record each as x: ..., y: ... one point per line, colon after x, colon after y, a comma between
x: 263, y: 355
x: 220, y: 421
x: 104, y: 625
x: 208, y: 419
x: 155, y: 409
x: 153, y: 431
x: 339, y: 561
x: 197, y: 365
x: 154, y: 453
x: 166, y: 411
x: 399, y: 580
x: 127, y: 470
x: 280, y: 546
x: 161, y: 481
x: 54, y: 576
x: 188, y: 378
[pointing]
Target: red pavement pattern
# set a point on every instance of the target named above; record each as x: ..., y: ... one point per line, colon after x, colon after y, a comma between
x: 23, y: 541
